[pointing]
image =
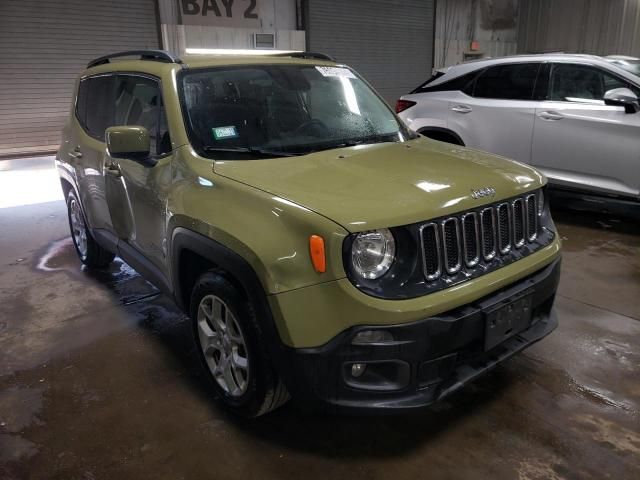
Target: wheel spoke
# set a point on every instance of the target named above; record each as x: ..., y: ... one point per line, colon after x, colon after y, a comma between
x: 228, y: 376
x: 205, y: 330
x: 233, y: 332
x: 219, y: 312
x: 205, y: 308
x: 238, y: 360
x: 239, y: 376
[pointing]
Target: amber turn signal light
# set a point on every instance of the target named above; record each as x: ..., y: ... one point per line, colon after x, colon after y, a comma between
x: 316, y: 249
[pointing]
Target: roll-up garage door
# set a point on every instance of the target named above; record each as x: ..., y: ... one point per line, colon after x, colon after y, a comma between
x: 389, y: 42
x: 44, y: 44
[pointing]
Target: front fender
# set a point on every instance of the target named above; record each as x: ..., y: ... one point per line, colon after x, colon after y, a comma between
x: 270, y: 233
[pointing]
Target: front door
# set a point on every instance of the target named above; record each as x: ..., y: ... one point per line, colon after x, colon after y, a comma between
x: 582, y: 143
x: 137, y: 190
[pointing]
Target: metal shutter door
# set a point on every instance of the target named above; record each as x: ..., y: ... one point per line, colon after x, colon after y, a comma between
x: 44, y: 44
x: 389, y: 42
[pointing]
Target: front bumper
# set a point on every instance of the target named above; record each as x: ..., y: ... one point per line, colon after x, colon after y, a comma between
x: 428, y: 359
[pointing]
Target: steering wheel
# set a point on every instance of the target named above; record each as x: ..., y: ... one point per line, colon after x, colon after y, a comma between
x: 314, y: 126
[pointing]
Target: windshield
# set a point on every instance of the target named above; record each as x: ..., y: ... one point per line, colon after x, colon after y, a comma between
x: 632, y: 66
x: 278, y: 110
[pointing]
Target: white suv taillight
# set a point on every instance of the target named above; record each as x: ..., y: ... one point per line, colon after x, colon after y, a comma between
x: 402, y: 105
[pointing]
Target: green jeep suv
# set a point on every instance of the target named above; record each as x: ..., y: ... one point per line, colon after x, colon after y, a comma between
x: 321, y: 249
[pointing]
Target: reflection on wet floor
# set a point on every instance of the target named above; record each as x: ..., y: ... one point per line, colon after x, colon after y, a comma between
x: 98, y: 379
x: 127, y: 285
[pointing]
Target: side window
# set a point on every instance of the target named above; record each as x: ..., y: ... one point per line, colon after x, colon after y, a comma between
x: 583, y: 83
x: 507, y: 82
x: 81, y: 103
x: 94, y: 106
x: 138, y: 101
x: 458, y: 83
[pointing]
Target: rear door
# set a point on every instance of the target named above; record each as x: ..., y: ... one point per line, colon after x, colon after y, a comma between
x: 137, y: 190
x: 582, y: 143
x: 495, y: 112
x: 86, y: 151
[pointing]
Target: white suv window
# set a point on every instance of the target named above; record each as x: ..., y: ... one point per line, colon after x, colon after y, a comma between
x: 582, y: 83
x: 508, y: 82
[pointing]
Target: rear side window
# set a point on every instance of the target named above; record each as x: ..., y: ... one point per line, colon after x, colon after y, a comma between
x: 81, y: 103
x: 507, y: 82
x: 459, y: 83
x: 117, y: 100
x: 94, y: 106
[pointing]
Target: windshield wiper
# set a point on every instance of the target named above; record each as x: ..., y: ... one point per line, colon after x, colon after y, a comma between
x: 250, y: 151
x: 391, y: 137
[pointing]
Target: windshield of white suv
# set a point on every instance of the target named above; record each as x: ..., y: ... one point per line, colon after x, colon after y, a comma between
x: 262, y: 111
x: 632, y: 66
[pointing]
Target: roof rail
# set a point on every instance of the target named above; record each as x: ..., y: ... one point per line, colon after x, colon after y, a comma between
x: 153, y: 55
x: 309, y: 55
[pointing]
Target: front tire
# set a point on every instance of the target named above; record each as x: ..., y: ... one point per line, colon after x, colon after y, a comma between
x: 235, y: 361
x: 90, y: 253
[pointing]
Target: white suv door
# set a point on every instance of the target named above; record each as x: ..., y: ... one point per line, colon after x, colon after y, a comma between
x: 579, y: 141
x: 495, y: 112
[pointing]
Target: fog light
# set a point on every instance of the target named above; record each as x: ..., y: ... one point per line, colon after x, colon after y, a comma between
x: 357, y: 369
x: 372, y: 336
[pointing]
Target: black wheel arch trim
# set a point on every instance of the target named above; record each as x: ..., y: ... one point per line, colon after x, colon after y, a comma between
x: 239, y: 268
x: 223, y: 257
x: 66, y: 174
x: 457, y: 137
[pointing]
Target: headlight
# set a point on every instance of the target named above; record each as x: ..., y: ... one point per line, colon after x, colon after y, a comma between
x: 372, y: 253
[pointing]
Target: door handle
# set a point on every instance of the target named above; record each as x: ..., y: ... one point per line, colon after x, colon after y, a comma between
x: 113, y: 170
x: 548, y: 115
x: 461, y: 108
x: 76, y: 153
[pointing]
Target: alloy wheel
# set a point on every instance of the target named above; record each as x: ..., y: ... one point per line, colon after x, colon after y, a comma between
x: 223, y: 345
x: 78, y: 227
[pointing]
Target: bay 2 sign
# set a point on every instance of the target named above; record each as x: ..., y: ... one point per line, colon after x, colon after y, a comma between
x: 220, y: 13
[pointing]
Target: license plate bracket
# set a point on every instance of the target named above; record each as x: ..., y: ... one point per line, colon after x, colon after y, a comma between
x: 505, y: 320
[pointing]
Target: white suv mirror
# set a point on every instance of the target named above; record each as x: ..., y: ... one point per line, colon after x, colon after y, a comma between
x: 622, y: 97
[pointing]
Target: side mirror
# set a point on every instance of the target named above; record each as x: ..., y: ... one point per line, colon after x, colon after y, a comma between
x: 622, y: 97
x: 128, y: 142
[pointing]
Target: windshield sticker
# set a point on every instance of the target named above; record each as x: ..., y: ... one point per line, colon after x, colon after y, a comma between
x: 335, y: 72
x: 222, y: 133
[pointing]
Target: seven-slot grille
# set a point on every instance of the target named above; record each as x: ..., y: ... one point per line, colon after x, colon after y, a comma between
x: 474, y: 238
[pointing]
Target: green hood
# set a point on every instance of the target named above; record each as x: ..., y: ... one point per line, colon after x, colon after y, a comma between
x: 386, y: 184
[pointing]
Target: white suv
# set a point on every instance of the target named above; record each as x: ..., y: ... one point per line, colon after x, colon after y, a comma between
x: 574, y: 117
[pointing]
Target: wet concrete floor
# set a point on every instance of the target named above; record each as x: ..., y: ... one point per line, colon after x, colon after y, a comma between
x: 98, y: 380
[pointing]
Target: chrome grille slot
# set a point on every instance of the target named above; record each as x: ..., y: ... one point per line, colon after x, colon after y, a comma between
x: 504, y: 228
x: 488, y: 221
x: 431, y: 254
x: 532, y: 217
x: 470, y: 239
x: 518, y: 214
x: 451, y: 245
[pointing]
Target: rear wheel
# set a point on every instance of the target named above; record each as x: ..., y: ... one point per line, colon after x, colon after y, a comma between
x: 90, y: 253
x: 235, y: 360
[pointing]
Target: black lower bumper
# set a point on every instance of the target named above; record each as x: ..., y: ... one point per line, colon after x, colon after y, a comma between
x: 426, y: 360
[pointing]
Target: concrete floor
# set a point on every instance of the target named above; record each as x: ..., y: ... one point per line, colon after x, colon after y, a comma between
x: 98, y: 378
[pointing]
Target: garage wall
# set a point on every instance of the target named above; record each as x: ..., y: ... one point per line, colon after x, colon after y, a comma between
x: 389, y: 42
x: 274, y: 16
x: 493, y: 24
x: 580, y: 26
x: 44, y: 44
